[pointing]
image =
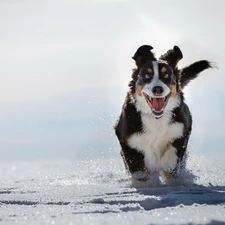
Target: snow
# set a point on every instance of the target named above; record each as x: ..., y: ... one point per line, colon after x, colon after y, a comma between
x: 99, y: 191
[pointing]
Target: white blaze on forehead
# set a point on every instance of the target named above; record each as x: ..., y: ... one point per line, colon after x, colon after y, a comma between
x: 156, y: 70
x: 156, y: 82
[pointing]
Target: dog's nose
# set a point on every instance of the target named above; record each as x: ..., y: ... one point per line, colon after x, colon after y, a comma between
x: 157, y: 90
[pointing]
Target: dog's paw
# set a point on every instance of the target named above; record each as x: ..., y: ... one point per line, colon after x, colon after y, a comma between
x: 140, y: 176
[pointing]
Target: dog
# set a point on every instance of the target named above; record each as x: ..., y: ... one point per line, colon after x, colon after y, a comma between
x: 155, y: 123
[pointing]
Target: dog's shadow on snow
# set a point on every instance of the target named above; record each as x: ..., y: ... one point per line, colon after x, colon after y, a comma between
x: 153, y: 194
x: 160, y: 197
x: 149, y: 198
x: 181, y: 192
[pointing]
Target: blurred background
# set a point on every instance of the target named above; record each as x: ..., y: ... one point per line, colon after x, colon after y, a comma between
x: 65, y: 66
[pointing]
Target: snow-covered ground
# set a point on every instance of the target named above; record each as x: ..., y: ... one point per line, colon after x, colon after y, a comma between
x: 100, y: 192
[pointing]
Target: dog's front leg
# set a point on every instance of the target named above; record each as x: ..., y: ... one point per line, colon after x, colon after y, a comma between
x: 180, y: 145
x: 134, y: 162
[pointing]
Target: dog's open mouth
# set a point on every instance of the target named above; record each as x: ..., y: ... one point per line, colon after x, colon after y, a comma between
x: 157, y: 104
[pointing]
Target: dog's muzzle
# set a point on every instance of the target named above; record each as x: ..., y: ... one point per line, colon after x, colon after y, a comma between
x: 157, y: 102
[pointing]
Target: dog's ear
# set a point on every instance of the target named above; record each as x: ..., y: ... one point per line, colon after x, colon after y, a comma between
x: 172, y: 57
x: 143, y: 54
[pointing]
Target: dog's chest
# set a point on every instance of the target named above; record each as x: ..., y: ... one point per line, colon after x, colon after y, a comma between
x: 155, y: 141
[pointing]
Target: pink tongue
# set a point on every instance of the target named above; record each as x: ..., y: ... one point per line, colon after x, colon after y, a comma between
x: 158, y: 104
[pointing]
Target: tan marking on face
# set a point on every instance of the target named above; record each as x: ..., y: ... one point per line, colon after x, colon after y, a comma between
x: 139, y: 89
x: 163, y: 70
x: 149, y: 70
x: 173, y: 90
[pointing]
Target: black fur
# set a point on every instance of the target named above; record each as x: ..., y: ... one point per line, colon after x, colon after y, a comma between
x: 130, y: 121
x: 143, y: 54
x: 172, y: 56
x: 191, y: 72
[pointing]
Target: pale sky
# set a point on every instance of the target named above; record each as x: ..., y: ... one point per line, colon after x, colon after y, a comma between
x: 65, y: 66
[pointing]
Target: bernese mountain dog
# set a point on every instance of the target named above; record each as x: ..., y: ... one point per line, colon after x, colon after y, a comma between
x: 155, y: 123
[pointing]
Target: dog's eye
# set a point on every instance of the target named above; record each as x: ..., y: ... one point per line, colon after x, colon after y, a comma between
x: 147, y: 76
x: 166, y: 76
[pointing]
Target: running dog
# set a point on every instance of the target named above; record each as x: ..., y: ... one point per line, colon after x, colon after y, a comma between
x: 155, y: 123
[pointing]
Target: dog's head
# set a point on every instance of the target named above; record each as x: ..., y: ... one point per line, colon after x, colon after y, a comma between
x: 156, y: 81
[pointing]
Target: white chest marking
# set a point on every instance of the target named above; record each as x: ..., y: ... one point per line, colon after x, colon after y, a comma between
x: 155, y: 141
